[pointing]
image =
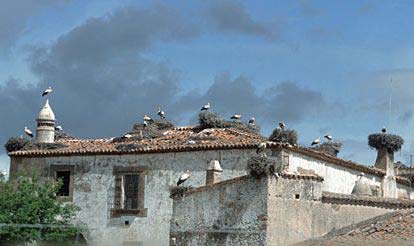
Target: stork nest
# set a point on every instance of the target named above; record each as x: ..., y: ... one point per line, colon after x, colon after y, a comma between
x: 128, y: 146
x: 62, y: 135
x: 178, y: 191
x: 330, y: 148
x: 260, y: 166
x: 15, y: 144
x: 391, y: 141
x: 154, y: 129
x: 208, y: 119
x: 284, y: 136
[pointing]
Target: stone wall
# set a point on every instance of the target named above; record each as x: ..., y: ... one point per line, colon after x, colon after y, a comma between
x: 94, y: 189
x: 267, y: 211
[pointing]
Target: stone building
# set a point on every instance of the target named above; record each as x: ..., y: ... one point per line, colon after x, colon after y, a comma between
x: 123, y: 188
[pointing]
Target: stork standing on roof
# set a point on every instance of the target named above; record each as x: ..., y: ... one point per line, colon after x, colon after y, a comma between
x: 205, y: 107
x: 147, y: 118
x: 59, y: 128
x: 282, y: 125
x: 47, y: 91
x: 261, y: 147
x: 236, y: 117
x: 252, y: 121
x: 28, y: 132
x: 184, y: 177
x: 328, y: 137
x: 316, y: 141
x: 161, y: 113
x: 127, y: 136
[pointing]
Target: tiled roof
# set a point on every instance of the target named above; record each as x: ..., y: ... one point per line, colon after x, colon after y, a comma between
x: 395, y: 228
x: 190, y: 138
x: 176, y: 140
x: 372, y: 201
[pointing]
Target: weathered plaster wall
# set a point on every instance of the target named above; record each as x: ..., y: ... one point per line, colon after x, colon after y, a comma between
x: 336, y: 178
x: 94, y: 189
x: 286, y: 210
x: 294, y: 220
x: 229, y: 214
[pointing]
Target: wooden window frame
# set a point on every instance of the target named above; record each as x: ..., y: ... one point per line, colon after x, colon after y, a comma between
x: 119, y: 172
x: 57, y: 168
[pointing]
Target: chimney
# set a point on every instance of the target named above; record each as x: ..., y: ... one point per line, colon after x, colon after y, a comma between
x: 386, y: 144
x: 45, y: 131
x: 213, y: 172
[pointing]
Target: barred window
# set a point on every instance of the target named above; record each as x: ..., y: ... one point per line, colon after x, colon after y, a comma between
x: 129, y: 191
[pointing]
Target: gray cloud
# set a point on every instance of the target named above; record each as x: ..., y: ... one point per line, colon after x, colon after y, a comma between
x: 14, y: 15
x: 231, y: 16
x: 102, y: 81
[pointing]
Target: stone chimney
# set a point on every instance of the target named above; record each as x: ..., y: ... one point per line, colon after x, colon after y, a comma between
x: 213, y: 172
x: 386, y: 144
x: 45, y: 131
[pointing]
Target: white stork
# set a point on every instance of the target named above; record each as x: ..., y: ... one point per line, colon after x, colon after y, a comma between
x: 260, y: 148
x: 59, y: 128
x: 47, y: 91
x: 147, y: 118
x: 316, y: 141
x: 205, y: 107
x: 184, y: 177
x: 252, y: 121
x: 236, y: 117
x: 282, y: 125
x: 28, y: 132
x: 328, y: 137
x: 161, y: 113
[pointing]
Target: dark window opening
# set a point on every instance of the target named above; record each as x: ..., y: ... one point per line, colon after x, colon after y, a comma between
x: 297, y: 196
x: 65, y: 177
x: 131, y: 191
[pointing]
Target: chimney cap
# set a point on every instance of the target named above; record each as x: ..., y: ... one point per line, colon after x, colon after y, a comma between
x: 214, y: 165
x: 361, y: 186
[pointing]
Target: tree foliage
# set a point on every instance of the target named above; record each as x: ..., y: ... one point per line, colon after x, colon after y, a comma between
x: 30, y: 211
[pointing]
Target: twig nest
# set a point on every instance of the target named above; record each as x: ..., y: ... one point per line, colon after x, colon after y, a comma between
x: 154, y: 129
x: 284, y: 136
x: 391, y: 141
x: 14, y: 144
x: 35, y: 145
x: 260, y: 166
x: 207, y: 119
x: 176, y: 191
x: 330, y: 148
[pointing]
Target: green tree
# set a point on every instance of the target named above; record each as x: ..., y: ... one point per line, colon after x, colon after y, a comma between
x: 30, y: 211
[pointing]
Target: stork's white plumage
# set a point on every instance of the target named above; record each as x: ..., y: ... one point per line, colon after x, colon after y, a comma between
x: 127, y: 136
x: 59, y: 128
x: 260, y: 148
x: 328, y: 137
x: 236, y: 117
x: 316, y: 141
x: 145, y: 123
x: 147, y: 118
x: 205, y: 107
x: 161, y: 113
x: 28, y: 132
x: 252, y: 121
x: 47, y: 91
x: 184, y: 177
x: 282, y: 125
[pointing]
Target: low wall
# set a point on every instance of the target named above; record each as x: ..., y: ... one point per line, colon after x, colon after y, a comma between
x: 267, y: 211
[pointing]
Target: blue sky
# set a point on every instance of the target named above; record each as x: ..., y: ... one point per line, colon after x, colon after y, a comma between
x: 320, y: 66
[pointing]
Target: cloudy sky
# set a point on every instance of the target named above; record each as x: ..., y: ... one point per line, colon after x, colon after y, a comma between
x: 320, y: 66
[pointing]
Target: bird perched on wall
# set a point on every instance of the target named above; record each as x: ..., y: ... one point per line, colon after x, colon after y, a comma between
x: 58, y: 128
x: 252, y: 121
x: 127, y: 136
x: 384, y: 130
x: 236, y: 117
x: 328, y: 137
x: 47, y: 91
x: 316, y: 141
x: 184, y: 177
x: 28, y: 132
x: 161, y: 113
x: 205, y: 107
x: 282, y: 125
x: 261, y: 147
